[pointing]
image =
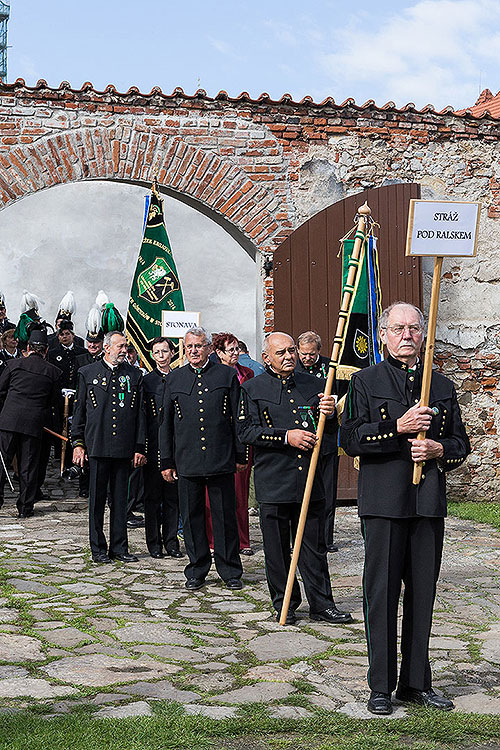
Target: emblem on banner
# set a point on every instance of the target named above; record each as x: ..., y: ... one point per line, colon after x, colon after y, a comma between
x: 361, y: 344
x: 157, y: 281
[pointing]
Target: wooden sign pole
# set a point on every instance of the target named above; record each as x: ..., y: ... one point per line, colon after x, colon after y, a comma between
x: 429, y: 353
x: 360, y: 237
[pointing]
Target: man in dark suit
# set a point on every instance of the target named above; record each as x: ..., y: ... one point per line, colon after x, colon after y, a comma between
x: 108, y: 427
x: 402, y: 524
x: 29, y: 389
x: 161, y: 502
x: 278, y: 415
x: 198, y: 445
x: 94, y: 351
x: 310, y: 360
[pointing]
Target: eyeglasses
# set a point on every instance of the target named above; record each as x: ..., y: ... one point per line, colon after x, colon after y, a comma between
x: 414, y: 330
x: 232, y: 350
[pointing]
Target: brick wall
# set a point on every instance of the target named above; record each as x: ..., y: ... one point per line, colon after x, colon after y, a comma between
x: 265, y: 167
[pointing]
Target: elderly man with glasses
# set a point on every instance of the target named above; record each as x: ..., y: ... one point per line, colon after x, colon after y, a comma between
x: 402, y: 524
x: 199, y: 448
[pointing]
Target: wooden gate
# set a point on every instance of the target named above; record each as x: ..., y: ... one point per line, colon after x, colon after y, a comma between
x: 307, y: 273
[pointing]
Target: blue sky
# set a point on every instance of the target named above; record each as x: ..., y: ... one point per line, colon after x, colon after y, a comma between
x: 441, y: 52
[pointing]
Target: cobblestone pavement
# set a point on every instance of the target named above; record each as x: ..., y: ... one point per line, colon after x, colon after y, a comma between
x: 118, y: 637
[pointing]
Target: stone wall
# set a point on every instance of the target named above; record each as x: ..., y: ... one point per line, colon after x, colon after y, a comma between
x: 261, y: 168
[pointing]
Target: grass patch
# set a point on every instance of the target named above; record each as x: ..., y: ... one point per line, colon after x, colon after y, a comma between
x: 170, y: 729
x: 482, y: 512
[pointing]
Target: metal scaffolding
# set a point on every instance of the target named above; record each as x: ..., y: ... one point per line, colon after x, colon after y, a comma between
x: 4, y: 17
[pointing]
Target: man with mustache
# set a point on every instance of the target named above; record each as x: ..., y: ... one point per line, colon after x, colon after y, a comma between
x: 402, y: 524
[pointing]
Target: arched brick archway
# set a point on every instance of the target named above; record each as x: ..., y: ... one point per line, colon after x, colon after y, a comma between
x: 202, y: 178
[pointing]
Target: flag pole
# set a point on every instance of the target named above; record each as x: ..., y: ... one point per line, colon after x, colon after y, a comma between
x: 429, y: 353
x: 347, y: 296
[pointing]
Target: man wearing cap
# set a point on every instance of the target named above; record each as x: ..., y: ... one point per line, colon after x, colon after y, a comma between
x: 94, y: 351
x: 109, y: 428
x: 402, y: 523
x: 5, y: 323
x: 199, y: 447
x: 312, y: 361
x: 29, y: 390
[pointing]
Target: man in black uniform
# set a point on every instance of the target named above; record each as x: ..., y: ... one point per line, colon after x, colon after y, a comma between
x: 64, y: 354
x: 310, y: 360
x: 5, y: 323
x: 161, y: 502
x: 198, y: 445
x: 108, y: 426
x: 402, y: 524
x: 29, y: 389
x: 278, y: 415
x: 94, y: 350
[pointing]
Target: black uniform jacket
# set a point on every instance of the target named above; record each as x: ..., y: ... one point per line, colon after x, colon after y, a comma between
x: 53, y: 341
x: 198, y: 426
x: 108, y: 416
x: 153, y: 387
x: 65, y: 359
x: 87, y: 359
x: 30, y: 388
x: 377, y: 397
x: 320, y: 370
x: 269, y: 407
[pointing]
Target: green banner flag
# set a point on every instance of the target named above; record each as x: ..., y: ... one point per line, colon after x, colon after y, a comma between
x: 361, y: 346
x: 156, y: 284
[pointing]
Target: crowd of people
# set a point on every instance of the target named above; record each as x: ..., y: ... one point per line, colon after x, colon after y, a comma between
x: 173, y: 448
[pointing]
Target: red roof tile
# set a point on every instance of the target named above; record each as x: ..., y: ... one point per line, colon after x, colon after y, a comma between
x: 487, y: 105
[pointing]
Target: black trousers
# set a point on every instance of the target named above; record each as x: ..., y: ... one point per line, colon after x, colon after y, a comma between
x: 278, y: 522
x: 115, y: 473
x: 400, y: 550
x: 222, y: 498
x: 27, y: 450
x: 329, y: 467
x: 161, y: 511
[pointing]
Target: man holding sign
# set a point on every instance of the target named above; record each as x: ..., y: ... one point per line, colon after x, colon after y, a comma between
x: 402, y: 523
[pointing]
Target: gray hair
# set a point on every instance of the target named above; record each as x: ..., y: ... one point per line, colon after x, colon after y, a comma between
x: 385, y: 314
x: 109, y: 335
x: 310, y: 337
x: 265, y: 343
x: 198, y: 331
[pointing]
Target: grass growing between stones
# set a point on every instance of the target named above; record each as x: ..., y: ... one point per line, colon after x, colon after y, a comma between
x: 170, y: 729
x: 481, y: 512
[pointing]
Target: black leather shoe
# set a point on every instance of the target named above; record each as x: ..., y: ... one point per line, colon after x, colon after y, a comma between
x: 26, y: 513
x: 157, y: 553
x: 332, y: 615
x: 192, y: 584
x: 332, y: 548
x: 379, y: 703
x: 291, y: 619
x: 174, y: 553
x: 135, y: 522
x: 427, y: 698
x: 247, y: 551
x: 234, y: 584
x: 101, y: 558
x: 126, y: 557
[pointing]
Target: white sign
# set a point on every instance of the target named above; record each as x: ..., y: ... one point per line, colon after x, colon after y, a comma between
x: 176, y: 324
x: 443, y: 228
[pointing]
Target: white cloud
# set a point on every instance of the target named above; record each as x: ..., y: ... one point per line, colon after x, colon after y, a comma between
x: 432, y: 51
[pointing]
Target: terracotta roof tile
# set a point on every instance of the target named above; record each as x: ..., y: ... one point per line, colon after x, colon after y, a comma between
x: 487, y: 105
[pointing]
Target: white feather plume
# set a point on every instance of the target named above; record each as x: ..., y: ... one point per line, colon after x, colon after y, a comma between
x: 30, y: 301
x: 68, y: 304
x: 102, y: 299
x: 94, y: 319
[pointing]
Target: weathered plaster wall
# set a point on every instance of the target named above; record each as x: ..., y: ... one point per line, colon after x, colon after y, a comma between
x: 86, y: 236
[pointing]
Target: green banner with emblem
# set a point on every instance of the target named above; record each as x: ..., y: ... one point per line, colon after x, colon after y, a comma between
x: 156, y: 284
x: 361, y: 346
